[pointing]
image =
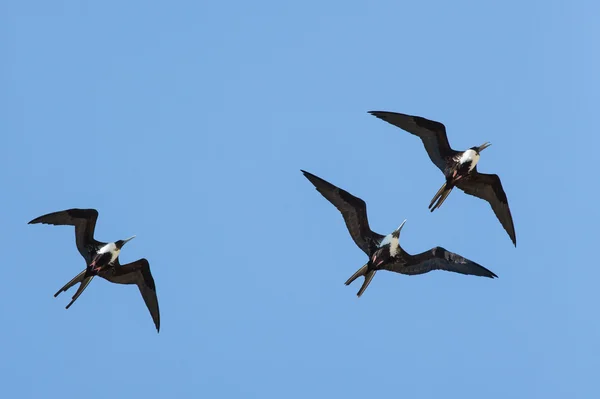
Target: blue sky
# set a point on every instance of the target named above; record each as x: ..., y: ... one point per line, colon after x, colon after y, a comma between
x: 187, y: 123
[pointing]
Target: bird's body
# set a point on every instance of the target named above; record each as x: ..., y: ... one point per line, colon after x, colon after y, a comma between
x: 385, y: 252
x: 105, y: 256
x: 102, y: 259
x: 467, y: 161
x: 459, y: 167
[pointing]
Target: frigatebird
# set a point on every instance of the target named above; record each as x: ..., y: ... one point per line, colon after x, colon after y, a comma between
x: 385, y: 252
x: 102, y: 259
x: 459, y: 167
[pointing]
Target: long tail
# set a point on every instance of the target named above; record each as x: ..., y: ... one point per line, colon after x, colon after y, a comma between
x: 80, y: 290
x: 363, y: 271
x: 80, y: 278
x: 77, y: 279
x: 440, y: 196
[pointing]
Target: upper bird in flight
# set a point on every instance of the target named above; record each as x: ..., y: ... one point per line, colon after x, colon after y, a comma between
x: 385, y: 252
x: 459, y: 167
x: 102, y: 259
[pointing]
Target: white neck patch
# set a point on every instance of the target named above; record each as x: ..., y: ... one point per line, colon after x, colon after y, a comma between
x: 469, y: 155
x: 394, y: 246
x: 386, y: 240
x: 112, y: 248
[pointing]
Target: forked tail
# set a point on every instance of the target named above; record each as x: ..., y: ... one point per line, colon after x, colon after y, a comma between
x: 440, y: 196
x: 363, y: 271
x: 74, y: 280
x: 80, y: 278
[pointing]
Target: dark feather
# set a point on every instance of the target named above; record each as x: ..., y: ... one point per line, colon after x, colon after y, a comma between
x: 84, y: 283
x: 138, y: 273
x: 354, y: 211
x: 438, y: 258
x: 84, y: 221
x: 489, y: 188
x: 432, y: 133
x: 75, y: 280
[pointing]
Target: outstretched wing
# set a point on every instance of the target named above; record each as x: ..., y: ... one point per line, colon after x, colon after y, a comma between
x: 489, y: 188
x: 354, y: 211
x: 439, y: 258
x: 137, y: 272
x: 432, y: 133
x: 84, y: 221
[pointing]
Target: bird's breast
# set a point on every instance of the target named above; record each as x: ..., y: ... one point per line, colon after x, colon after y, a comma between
x: 394, y: 247
x: 114, y: 255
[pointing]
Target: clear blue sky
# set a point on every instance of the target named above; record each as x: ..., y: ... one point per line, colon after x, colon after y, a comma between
x: 187, y: 123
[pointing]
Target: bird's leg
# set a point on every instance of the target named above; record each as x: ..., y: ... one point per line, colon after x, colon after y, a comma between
x: 374, y: 259
x: 93, y: 266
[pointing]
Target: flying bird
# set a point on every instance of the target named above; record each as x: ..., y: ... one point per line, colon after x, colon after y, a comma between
x: 385, y: 252
x: 102, y: 259
x: 459, y: 167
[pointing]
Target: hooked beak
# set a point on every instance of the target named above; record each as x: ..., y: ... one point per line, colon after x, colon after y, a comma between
x: 484, y: 146
x: 129, y: 239
x: 397, y: 231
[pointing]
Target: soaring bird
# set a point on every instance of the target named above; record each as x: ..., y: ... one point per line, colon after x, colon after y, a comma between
x: 102, y: 259
x: 385, y: 252
x: 459, y: 167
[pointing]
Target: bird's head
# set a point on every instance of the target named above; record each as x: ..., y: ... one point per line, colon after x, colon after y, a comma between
x: 396, y: 233
x: 119, y: 244
x: 482, y: 147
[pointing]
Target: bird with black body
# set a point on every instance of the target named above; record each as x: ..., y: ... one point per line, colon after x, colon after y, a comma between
x: 459, y: 167
x: 102, y: 259
x: 385, y: 252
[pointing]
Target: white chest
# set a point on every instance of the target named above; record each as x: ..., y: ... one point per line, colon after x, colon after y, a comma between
x: 110, y: 248
x: 469, y: 156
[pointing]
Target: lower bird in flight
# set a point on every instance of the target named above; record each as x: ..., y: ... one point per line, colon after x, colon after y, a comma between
x: 385, y: 252
x: 102, y: 259
x: 459, y: 167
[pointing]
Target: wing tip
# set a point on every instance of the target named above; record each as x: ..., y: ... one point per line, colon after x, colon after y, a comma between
x: 317, y: 181
x: 306, y: 174
x: 377, y: 114
x: 35, y: 221
x: 487, y: 272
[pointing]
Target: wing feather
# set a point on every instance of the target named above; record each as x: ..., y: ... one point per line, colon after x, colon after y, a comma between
x: 354, y: 211
x: 432, y: 134
x: 84, y: 221
x: 439, y: 258
x: 488, y: 187
x: 138, y: 273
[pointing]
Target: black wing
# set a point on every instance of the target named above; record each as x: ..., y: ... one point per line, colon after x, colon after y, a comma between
x: 84, y: 221
x: 489, y: 188
x: 439, y: 258
x: 432, y: 133
x: 354, y: 211
x: 137, y: 272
